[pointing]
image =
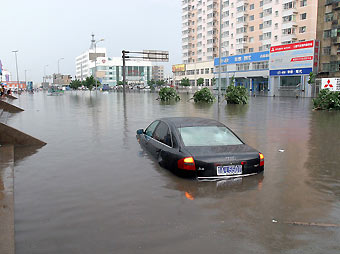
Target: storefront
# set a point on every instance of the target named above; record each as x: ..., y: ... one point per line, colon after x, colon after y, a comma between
x: 248, y: 70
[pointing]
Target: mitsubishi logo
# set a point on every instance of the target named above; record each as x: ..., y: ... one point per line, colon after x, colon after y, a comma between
x: 329, y: 84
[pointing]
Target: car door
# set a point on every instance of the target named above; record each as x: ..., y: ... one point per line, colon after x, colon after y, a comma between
x: 162, y: 144
x: 148, y: 134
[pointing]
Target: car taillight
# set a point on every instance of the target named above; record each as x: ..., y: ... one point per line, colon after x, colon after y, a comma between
x: 261, y: 159
x: 187, y: 163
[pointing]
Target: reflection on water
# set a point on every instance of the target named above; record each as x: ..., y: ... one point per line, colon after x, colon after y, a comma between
x: 92, y: 189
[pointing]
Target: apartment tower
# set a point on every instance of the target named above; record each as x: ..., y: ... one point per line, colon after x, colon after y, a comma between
x: 247, y: 26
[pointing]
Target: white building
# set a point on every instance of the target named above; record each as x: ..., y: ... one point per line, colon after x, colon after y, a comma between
x: 193, y: 72
x: 158, y: 72
x: 110, y: 71
x: 86, y: 60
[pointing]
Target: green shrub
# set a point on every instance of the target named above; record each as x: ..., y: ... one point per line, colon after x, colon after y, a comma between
x: 327, y: 100
x: 168, y: 94
x: 204, y: 95
x: 236, y: 95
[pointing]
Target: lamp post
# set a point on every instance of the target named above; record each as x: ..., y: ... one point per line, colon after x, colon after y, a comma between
x: 219, y: 56
x: 59, y: 71
x: 16, y: 64
x: 26, y: 77
x: 95, y: 61
x: 58, y: 64
x: 44, y: 79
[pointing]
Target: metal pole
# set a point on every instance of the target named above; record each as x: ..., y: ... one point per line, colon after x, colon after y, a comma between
x: 123, y: 72
x: 25, y: 79
x: 16, y: 64
x: 220, y: 55
x: 95, y: 64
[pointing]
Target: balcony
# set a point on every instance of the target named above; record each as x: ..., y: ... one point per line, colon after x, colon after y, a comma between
x: 336, y: 40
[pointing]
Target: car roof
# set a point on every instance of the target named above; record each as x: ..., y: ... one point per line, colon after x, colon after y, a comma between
x: 190, y: 121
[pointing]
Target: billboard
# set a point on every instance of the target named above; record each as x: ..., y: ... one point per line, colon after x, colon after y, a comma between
x: 294, y: 59
x: 333, y: 84
x: 178, y: 67
x: 245, y: 58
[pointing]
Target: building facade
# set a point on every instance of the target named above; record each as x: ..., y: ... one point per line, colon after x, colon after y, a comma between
x: 193, y: 72
x: 109, y: 71
x: 247, y: 26
x: 158, y: 72
x: 328, y: 32
x: 86, y: 61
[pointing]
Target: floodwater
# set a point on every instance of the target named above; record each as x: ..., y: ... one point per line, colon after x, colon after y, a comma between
x: 92, y: 189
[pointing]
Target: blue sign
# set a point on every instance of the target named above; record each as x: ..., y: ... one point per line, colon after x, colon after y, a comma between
x: 290, y: 72
x: 245, y: 58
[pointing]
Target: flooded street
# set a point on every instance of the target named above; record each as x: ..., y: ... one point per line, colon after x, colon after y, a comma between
x: 92, y: 189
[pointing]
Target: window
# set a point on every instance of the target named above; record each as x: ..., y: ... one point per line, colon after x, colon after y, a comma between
x: 162, y: 134
x: 206, y: 70
x: 327, y: 50
x: 251, y: 50
x: 149, y: 131
x: 328, y: 17
x: 326, y: 33
x: 252, y: 6
x: 302, y: 29
x: 208, y: 136
x: 251, y: 39
x: 303, y: 3
x: 251, y: 17
x: 251, y: 29
x: 303, y: 16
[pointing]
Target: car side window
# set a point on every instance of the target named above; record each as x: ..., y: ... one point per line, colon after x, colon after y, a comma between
x: 162, y: 134
x: 150, y: 130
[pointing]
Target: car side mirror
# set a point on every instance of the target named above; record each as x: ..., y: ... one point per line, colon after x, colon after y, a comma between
x: 140, y: 131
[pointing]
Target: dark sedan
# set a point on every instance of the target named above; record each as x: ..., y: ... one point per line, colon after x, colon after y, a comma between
x: 206, y: 148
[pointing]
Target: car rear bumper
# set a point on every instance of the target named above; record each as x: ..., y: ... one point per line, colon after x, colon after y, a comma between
x: 217, y: 178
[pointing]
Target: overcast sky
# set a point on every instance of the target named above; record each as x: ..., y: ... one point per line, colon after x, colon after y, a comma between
x: 45, y: 30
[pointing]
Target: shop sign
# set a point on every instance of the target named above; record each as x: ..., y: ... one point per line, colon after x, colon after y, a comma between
x: 333, y: 84
x: 245, y: 58
x: 294, y: 59
x: 178, y: 67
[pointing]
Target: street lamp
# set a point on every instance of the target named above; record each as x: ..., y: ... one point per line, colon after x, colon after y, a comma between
x: 44, y: 79
x: 95, y: 61
x: 26, y: 77
x: 220, y: 55
x: 58, y: 63
x: 16, y: 64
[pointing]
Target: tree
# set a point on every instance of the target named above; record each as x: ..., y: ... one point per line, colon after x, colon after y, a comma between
x: 168, y: 94
x: 236, y: 95
x: 151, y: 82
x: 90, y: 82
x: 232, y: 81
x: 311, y: 79
x: 204, y: 95
x: 213, y: 81
x: 200, y: 81
x: 75, y: 84
x: 185, y: 82
x: 160, y: 82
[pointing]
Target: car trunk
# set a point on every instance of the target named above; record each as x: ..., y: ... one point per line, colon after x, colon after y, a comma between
x: 207, y: 159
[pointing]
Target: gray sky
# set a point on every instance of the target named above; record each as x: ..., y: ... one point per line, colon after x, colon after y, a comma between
x: 45, y: 30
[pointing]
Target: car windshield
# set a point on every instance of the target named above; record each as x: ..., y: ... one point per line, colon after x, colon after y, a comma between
x: 208, y: 136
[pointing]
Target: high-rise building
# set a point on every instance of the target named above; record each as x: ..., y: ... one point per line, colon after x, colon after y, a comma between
x: 158, y: 72
x: 328, y: 32
x: 247, y: 26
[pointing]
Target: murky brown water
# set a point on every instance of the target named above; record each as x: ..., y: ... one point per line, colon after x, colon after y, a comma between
x: 92, y: 189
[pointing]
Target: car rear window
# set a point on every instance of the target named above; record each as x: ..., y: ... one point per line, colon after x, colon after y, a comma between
x: 208, y: 136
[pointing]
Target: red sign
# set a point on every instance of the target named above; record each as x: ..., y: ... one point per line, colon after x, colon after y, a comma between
x: 303, y: 58
x: 293, y: 46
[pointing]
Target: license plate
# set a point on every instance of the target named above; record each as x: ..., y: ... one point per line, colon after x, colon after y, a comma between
x: 229, y: 170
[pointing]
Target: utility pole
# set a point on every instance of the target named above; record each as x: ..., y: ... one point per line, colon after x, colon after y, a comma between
x: 123, y: 71
x: 219, y: 56
x: 95, y: 61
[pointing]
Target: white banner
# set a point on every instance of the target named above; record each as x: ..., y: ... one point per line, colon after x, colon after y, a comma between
x: 333, y: 84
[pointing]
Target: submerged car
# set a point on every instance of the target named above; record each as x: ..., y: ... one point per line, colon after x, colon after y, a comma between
x: 203, y: 147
